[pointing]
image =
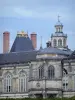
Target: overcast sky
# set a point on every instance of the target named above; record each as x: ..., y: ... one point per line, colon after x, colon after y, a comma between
x: 39, y: 16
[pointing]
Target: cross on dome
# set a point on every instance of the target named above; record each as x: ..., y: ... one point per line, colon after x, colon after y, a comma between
x: 58, y: 18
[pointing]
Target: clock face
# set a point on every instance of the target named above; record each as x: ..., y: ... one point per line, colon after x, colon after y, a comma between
x: 38, y: 84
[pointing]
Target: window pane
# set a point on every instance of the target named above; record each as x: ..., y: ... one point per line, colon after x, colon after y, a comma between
x: 22, y: 82
x: 60, y: 43
x: 7, y: 83
x: 51, y: 72
x: 41, y: 72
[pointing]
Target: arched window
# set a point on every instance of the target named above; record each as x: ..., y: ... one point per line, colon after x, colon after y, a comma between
x: 22, y: 81
x: 41, y: 72
x: 55, y: 42
x: 64, y: 42
x: 59, y: 29
x: 59, y: 43
x: 7, y: 83
x: 51, y: 72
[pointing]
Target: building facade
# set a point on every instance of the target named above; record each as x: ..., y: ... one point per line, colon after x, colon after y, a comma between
x: 26, y: 72
x: 68, y: 65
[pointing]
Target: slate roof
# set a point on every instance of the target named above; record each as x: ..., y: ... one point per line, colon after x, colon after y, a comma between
x: 27, y: 56
x: 52, y: 50
x: 72, y: 56
x: 69, y: 58
x: 22, y: 44
x: 17, y: 57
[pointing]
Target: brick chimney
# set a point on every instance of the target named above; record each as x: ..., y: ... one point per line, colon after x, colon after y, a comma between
x: 33, y: 37
x: 6, y: 36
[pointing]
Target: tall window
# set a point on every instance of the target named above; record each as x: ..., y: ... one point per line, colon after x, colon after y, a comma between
x: 65, y: 79
x: 51, y: 72
x: 22, y: 82
x: 64, y: 42
x: 8, y: 83
x: 60, y: 43
x: 41, y: 72
x: 59, y: 29
x: 55, y: 43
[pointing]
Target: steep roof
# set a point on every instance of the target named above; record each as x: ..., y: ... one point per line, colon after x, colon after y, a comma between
x: 22, y: 44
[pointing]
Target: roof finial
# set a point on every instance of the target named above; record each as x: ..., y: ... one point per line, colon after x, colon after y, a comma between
x: 41, y: 43
x: 58, y: 18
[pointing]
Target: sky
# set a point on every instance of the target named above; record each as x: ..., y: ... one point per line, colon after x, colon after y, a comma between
x: 38, y: 16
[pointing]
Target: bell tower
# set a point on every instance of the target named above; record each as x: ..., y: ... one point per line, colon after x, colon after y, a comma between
x: 59, y: 39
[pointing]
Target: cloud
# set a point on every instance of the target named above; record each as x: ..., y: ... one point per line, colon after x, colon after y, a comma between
x: 43, y: 13
x: 36, y: 9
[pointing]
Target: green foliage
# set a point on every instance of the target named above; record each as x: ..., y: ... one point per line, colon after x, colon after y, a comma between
x: 72, y: 98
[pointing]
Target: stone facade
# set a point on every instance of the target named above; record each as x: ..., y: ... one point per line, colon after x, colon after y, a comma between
x: 10, y: 80
x: 69, y: 77
x: 51, y: 86
x: 10, y: 76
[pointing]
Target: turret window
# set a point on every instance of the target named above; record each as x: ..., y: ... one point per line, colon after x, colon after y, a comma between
x: 59, y: 43
x: 59, y: 29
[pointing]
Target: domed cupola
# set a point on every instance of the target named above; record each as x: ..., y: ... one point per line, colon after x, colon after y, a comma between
x: 59, y: 39
x: 59, y: 26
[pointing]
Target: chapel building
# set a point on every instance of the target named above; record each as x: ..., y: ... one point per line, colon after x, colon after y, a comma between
x: 26, y: 72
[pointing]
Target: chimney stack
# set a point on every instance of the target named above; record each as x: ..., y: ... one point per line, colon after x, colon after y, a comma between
x: 33, y: 37
x: 6, y: 42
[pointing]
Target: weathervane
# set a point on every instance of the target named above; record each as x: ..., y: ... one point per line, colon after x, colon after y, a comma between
x: 58, y: 18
